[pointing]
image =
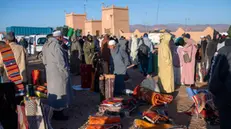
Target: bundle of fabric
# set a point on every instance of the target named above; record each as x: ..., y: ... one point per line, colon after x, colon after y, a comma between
x: 203, y: 105
x: 155, y: 117
x: 142, y: 124
x: 156, y: 99
x: 106, y: 86
x: 35, y: 76
x: 40, y: 91
x: 118, y: 106
x: 104, y: 122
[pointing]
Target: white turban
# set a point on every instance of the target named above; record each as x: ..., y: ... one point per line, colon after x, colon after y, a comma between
x: 111, y: 42
x: 57, y: 33
x: 202, y: 36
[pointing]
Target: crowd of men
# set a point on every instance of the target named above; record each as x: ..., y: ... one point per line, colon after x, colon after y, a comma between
x: 118, y: 54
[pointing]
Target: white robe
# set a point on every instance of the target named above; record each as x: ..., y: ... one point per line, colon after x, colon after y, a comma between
x: 134, y: 50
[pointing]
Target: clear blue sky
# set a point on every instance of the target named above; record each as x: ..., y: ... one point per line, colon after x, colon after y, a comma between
x: 51, y: 12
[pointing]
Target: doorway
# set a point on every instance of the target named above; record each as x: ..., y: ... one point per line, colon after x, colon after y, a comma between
x: 97, y: 33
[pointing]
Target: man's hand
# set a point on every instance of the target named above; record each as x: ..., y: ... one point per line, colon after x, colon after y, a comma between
x: 154, y: 51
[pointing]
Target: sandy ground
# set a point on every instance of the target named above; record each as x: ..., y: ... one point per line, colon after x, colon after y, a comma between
x: 86, y: 102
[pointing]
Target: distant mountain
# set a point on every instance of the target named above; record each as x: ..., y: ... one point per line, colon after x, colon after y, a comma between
x: 173, y: 27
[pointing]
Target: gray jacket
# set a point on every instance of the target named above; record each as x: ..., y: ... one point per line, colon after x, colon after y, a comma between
x: 120, y: 60
x: 59, y: 89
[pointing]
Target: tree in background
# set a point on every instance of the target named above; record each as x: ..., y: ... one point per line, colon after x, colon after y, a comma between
x: 67, y: 31
x: 63, y: 29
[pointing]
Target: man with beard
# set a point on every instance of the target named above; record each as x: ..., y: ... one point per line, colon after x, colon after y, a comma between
x: 120, y: 63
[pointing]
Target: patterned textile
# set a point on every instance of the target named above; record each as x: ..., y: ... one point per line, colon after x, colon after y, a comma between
x: 86, y: 75
x: 41, y: 91
x: 200, y: 72
x: 155, y: 117
x: 35, y: 74
x: 142, y: 124
x: 12, y: 69
x: 203, y: 105
x: 118, y: 106
x: 104, y: 122
x: 107, y: 85
x: 113, y: 101
x: 156, y: 99
x: 111, y: 105
x: 106, y: 108
x: 34, y: 113
x: 106, y: 126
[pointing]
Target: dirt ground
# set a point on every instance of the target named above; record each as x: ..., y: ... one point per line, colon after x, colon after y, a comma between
x: 86, y: 102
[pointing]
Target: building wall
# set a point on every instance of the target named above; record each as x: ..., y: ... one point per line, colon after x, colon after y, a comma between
x: 115, y: 19
x: 92, y: 26
x: 107, y: 20
x: 96, y: 26
x: 88, y: 27
x: 121, y: 20
x: 76, y: 21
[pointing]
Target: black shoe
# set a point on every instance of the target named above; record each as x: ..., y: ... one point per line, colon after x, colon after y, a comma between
x: 59, y: 116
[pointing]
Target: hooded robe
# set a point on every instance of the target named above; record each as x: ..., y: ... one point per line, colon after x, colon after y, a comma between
x: 166, y: 74
x: 58, y: 77
x: 76, y: 56
x: 188, y: 69
x: 89, y: 50
x: 134, y: 50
